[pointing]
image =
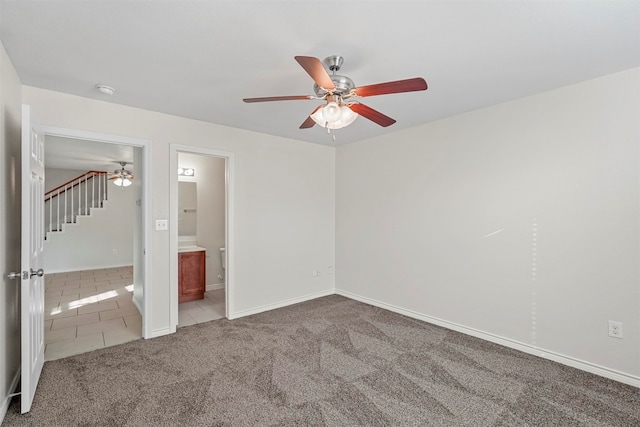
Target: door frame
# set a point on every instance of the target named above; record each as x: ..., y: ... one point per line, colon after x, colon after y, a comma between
x: 174, y: 150
x: 145, y: 146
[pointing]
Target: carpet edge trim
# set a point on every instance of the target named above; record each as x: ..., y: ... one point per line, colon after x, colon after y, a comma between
x: 516, y: 345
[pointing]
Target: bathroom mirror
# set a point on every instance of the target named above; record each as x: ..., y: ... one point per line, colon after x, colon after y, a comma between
x: 187, y: 208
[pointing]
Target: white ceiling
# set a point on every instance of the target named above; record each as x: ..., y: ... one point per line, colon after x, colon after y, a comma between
x: 198, y: 59
x: 82, y: 155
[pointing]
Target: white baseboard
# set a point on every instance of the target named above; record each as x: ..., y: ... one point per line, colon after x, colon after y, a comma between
x: 526, y: 348
x: 7, y: 400
x: 280, y: 304
x: 160, y: 332
x: 87, y: 267
x: 214, y: 286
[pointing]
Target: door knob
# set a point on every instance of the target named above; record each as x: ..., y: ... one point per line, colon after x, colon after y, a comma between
x: 38, y: 273
x: 25, y: 275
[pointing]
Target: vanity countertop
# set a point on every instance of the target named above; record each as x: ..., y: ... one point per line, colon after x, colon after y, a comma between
x: 190, y: 248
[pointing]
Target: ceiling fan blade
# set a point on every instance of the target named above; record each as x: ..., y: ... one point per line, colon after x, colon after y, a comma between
x: 316, y: 70
x: 309, y: 123
x: 373, y: 115
x: 279, y: 98
x: 398, y: 86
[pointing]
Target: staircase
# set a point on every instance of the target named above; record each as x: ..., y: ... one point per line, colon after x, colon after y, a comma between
x: 75, y: 198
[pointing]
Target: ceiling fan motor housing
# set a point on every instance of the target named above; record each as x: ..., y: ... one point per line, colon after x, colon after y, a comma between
x: 344, y: 85
x: 123, y: 171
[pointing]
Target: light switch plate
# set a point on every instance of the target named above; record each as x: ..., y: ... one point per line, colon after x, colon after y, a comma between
x: 162, y: 225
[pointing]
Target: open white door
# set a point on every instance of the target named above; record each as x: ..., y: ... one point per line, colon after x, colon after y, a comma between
x: 32, y: 262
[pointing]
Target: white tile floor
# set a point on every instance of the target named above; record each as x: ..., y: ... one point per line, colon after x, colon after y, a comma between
x: 87, y: 310
x: 204, y: 310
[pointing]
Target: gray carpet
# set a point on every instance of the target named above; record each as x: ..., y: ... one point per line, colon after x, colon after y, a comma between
x: 327, y: 362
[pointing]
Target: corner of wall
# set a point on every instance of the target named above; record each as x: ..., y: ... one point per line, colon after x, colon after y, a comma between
x: 10, y: 136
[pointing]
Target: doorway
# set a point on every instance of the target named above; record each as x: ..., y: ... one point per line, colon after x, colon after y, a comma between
x: 140, y: 212
x: 200, y: 223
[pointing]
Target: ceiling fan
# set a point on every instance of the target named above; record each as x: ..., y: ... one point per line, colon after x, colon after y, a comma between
x: 121, y: 177
x: 341, y: 95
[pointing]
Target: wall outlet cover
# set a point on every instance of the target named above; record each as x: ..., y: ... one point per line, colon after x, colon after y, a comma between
x: 615, y: 329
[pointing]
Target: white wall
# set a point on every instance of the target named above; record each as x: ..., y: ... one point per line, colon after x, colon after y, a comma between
x: 210, y: 180
x: 10, y: 120
x: 55, y: 177
x: 102, y: 240
x: 284, y: 199
x: 518, y: 221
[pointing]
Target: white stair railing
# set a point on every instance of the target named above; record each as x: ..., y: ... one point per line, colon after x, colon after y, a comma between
x: 64, y: 203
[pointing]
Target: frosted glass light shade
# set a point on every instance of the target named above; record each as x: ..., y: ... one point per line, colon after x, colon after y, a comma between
x: 331, y: 112
x: 346, y: 117
x: 122, y: 182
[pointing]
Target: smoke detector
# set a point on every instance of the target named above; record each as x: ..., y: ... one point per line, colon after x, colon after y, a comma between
x: 105, y: 90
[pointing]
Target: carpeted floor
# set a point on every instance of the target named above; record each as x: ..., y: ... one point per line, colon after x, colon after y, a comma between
x: 327, y: 362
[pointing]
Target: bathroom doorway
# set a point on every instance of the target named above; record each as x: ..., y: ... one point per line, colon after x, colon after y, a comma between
x: 199, y: 235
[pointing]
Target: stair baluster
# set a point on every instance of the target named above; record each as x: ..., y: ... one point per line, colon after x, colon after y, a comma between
x: 94, y: 197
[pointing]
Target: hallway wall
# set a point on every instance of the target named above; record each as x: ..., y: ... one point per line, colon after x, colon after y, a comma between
x: 102, y: 240
x: 10, y: 136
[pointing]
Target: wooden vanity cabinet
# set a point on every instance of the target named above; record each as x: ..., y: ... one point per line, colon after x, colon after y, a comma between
x: 191, y: 276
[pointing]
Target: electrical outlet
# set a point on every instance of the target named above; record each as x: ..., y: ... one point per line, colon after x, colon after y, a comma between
x: 615, y: 329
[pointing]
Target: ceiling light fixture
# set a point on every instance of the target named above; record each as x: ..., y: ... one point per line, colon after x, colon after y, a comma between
x: 122, y: 182
x: 333, y: 116
x: 122, y: 177
x: 186, y: 172
x: 105, y: 90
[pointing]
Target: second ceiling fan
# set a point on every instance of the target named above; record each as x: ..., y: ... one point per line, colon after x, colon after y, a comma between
x: 121, y: 177
x: 340, y: 94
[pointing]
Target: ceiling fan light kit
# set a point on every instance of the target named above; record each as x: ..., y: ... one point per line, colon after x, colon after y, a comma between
x: 121, y: 177
x: 334, y: 116
x: 339, y: 111
x: 122, y: 182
